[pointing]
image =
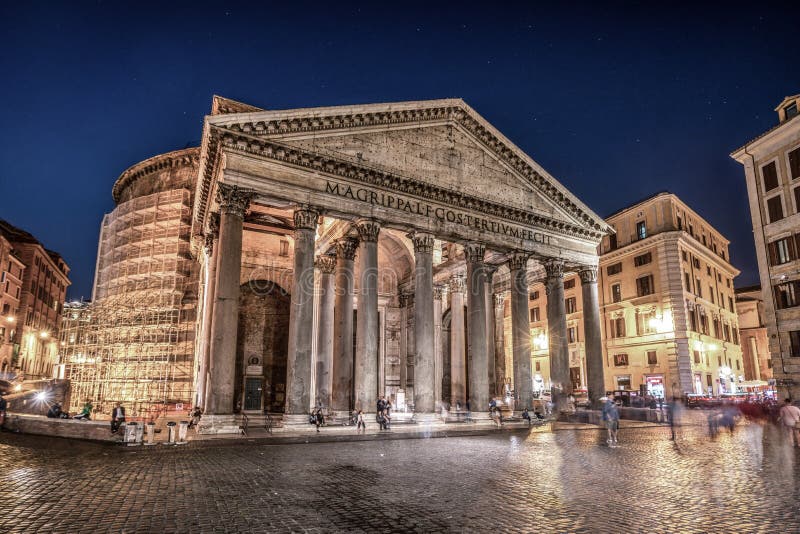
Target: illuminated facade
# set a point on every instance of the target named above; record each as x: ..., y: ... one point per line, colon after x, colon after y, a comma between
x: 772, y: 173
x: 11, y: 269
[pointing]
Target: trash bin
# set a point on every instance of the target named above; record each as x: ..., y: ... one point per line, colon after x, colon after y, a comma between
x: 172, y: 432
x: 183, y: 428
x: 151, y: 434
x: 130, y: 433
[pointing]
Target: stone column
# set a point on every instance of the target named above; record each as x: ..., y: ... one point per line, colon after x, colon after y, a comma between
x: 233, y: 202
x: 299, y: 359
x: 478, y: 353
x: 366, y: 360
x: 499, y: 344
x: 342, y: 392
x: 424, y: 370
x: 520, y: 331
x: 595, y: 381
x: 438, y: 371
x: 490, y: 344
x: 458, y: 361
x: 557, y: 332
x: 324, y: 376
x: 210, y: 247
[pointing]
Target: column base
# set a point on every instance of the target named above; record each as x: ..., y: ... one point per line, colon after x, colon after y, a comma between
x: 218, y: 424
x: 481, y: 419
x: 427, y: 418
x: 297, y: 423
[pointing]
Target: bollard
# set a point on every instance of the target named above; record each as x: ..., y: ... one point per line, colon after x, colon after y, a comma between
x: 183, y: 428
x: 171, y: 430
x: 130, y: 434
x: 139, y: 432
x: 151, y: 433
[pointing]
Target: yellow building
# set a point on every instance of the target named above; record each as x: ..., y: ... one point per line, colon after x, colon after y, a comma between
x: 666, y: 303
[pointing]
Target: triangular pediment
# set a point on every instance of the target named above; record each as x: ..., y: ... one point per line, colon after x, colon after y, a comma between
x: 443, y: 143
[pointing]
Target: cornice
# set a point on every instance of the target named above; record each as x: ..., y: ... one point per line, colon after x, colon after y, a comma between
x: 177, y: 158
x: 249, y: 136
x: 285, y: 154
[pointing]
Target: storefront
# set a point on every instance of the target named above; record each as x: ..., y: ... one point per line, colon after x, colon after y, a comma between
x: 654, y: 385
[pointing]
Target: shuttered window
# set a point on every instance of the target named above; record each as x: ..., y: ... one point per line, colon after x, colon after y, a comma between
x: 770, y: 175
x: 794, y: 163
x: 782, y: 251
x: 775, y: 209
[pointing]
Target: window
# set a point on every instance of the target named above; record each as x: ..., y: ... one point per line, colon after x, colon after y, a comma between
x: 730, y: 304
x: 708, y: 270
x: 782, y: 250
x: 642, y: 259
x: 728, y: 282
x: 572, y: 334
x: 695, y: 262
x: 615, y: 268
x: 794, y: 163
x: 794, y: 343
x: 535, y: 316
x: 797, y: 198
x: 623, y: 381
x: 711, y: 294
x: 786, y: 294
x: 569, y: 284
x: 570, y: 305
x: 534, y: 295
x: 790, y: 111
x: 726, y: 332
x: 775, y: 209
x: 684, y: 255
x: 715, y: 324
x: 697, y: 357
x: 737, y: 365
x: 641, y: 230
x: 644, y: 286
x: 612, y: 242
x: 616, y: 293
x: 735, y: 332
x: 652, y: 357
x: 538, y: 366
x: 691, y: 230
x: 680, y: 224
x: 620, y: 360
x: 687, y: 282
x: 643, y: 320
x: 699, y: 287
x: 284, y: 248
x: 618, y: 327
x: 704, y: 323
x: 770, y: 174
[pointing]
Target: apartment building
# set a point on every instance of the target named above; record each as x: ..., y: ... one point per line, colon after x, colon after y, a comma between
x: 11, y: 269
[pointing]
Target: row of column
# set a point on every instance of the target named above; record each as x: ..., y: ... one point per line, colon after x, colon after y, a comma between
x: 334, y: 371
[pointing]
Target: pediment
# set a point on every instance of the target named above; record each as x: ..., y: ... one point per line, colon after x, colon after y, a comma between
x: 441, y: 143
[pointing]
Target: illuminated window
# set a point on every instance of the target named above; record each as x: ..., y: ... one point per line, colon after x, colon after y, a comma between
x: 620, y: 360
x: 616, y: 293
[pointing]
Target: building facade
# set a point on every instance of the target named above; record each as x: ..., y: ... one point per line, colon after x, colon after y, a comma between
x: 45, y: 279
x: 753, y: 333
x: 772, y: 173
x: 11, y: 273
x: 666, y: 302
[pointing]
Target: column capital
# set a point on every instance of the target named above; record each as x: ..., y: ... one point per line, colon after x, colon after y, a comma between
x: 474, y: 252
x: 554, y: 268
x: 326, y: 263
x: 518, y: 260
x: 346, y: 248
x: 234, y: 200
x: 305, y: 218
x: 588, y: 274
x: 499, y: 299
x: 438, y: 291
x: 406, y: 298
x: 213, y: 223
x: 423, y: 243
x: 368, y: 230
x: 457, y: 284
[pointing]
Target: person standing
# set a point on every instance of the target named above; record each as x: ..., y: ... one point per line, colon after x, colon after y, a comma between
x: 360, y: 422
x: 789, y: 416
x: 611, y: 418
x: 117, y: 417
x: 3, y: 407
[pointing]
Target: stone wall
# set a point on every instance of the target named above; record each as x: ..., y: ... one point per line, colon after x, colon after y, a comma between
x: 63, y: 428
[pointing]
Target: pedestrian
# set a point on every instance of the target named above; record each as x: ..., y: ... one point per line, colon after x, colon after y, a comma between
x: 469, y: 413
x: 611, y: 418
x: 360, y: 424
x: 86, y: 412
x: 117, y: 417
x: 3, y: 407
x: 55, y: 411
x: 319, y: 419
x: 197, y: 413
x: 789, y: 416
x: 526, y: 416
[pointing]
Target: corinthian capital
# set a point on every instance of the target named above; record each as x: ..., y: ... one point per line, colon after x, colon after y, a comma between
x: 438, y: 291
x: 474, y: 252
x: 305, y: 218
x: 554, y: 268
x: 368, y: 230
x: 325, y: 263
x: 423, y: 243
x: 588, y: 274
x: 234, y: 200
x: 499, y: 299
x: 457, y: 283
x: 518, y: 260
x: 346, y: 248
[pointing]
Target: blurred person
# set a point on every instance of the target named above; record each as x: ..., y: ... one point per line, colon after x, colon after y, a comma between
x: 55, y: 411
x: 86, y: 411
x: 117, y: 417
x: 611, y: 419
x: 360, y: 424
x: 3, y: 407
x: 789, y: 416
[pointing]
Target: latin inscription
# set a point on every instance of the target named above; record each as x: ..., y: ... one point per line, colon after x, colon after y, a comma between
x: 422, y: 209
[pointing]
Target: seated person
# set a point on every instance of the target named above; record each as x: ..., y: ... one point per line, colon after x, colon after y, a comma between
x: 55, y: 411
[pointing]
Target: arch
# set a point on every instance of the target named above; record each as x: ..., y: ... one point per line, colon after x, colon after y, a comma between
x: 262, y: 347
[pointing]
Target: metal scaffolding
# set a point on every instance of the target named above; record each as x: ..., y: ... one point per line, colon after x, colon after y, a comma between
x: 137, y: 344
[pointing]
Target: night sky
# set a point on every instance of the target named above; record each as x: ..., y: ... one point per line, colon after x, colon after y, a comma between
x: 617, y: 102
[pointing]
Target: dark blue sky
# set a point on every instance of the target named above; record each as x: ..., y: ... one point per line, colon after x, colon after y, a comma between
x: 617, y: 102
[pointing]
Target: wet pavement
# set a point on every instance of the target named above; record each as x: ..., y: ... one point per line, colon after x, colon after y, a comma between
x: 516, y: 481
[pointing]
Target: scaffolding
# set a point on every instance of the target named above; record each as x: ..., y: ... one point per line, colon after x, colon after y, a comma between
x: 137, y: 346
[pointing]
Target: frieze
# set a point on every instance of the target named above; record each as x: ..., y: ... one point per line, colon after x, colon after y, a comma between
x: 433, y: 114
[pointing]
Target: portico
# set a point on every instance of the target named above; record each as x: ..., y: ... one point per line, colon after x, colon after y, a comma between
x: 420, y: 217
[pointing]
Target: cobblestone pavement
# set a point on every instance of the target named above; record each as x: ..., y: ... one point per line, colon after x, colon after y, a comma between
x: 564, y: 481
